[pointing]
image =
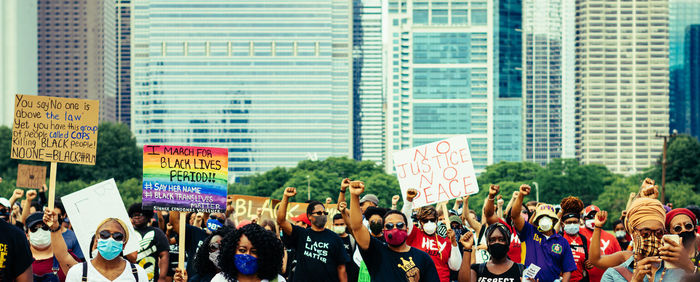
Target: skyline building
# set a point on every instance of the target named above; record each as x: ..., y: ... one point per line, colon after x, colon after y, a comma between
x: 77, y: 51
x: 270, y: 81
x: 622, y: 100
x: 682, y: 14
x: 692, y: 63
x: 18, y: 60
x: 439, y: 75
x: 368, y: 78
x: 123, y: 71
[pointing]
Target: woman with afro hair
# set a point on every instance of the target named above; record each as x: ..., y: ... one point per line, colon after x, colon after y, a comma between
x: 250, y: 253
x: 206, y: 260
x: 571, y: 208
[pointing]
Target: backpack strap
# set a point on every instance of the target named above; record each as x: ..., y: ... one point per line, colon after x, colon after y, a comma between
x: 134, y: 271
x: 626, y: 273
x: 584, y: 243
x: 85, y: 267
x: 481, y: 233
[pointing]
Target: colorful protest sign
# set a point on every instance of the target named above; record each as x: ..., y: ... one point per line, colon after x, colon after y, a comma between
x: 439, y: 171
x: 53, y: 129
x: 31, y: 176
x: 181, y: 178
x: 88, y: 207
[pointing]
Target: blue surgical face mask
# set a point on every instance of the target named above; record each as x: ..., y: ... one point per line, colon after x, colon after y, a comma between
x: 246, y: 264
x: 109, y: 248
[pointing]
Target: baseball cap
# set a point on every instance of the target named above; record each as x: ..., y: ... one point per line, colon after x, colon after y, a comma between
x: 5, y: 202
x: 370, y: 197
x: 456, y: 219
x: 34, y: 218
x: 302, y: 217
x: 590, y: 209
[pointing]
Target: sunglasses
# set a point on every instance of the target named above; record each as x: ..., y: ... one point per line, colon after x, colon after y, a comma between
x: 37, y: 226
x: 399, y: 225
x: 136, y: 214
x: 427, y: 220
x: 117, y: 236
x: 659, y: 233
x: 688, y: 227
x: 214, y: 247
x: 320, y: 213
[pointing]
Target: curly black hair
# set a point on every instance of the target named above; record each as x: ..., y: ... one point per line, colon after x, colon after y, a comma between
x: 202, y: 263
x: 269, y: 251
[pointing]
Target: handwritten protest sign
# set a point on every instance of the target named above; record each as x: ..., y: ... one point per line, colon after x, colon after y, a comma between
x: 55, y: 129
x: 181, y: 178
x: 31, y: 176
x: 440, y: 171
x: 88, y: 207
x: 245, y: 207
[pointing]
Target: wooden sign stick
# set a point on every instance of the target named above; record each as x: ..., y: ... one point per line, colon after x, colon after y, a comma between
x: 446, y: 220
x: 52, y: 186
x: 181, y: 248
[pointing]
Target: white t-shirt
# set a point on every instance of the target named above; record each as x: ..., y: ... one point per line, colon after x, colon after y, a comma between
x: 75, y: 274
x: 219, y: 277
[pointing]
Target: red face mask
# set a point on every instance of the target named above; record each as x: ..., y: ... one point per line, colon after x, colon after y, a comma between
x: 395, y: 237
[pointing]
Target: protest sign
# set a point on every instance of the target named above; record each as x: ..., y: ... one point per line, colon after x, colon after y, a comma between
x: 31, y: 176
x: 88, y: 207
x: 439, y: 171
x: 53, y: 129
x: 181, y: 178
x: 247, y: 206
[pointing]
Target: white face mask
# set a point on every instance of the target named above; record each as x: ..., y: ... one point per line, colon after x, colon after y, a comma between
x: 338, y: 229
x: 620, y: 234
x: 429, y: 227
x: 589, y: 223
x: 40, y: 239
x: 365, y: 222
x: 571, y: 229
x: 545, y: 224
x: 214, y: 257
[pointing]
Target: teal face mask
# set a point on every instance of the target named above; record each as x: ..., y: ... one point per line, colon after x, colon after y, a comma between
x: 109, y: 248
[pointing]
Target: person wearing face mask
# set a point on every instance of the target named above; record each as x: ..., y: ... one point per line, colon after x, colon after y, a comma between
x: 250, y: 253
x: 46, y: 266
x: 499, y: 267
x: 443, y: 251
x: 395, y: 260
x: 320, y: 253
x: 571, y: 211
x: 645, y: 221
x: 608, y: 242
x: 375, y: 224
x: 489, y: 210
x: 341, y: 229
x: 206, y: 261
x: 682, y: 223
x: 543, y: 247
x: 621, y: 235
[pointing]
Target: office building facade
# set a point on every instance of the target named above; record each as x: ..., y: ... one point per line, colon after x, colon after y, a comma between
x: 123, y: 62
x: 270, y: 81
x: 692, y: 76
x: 682, y: 15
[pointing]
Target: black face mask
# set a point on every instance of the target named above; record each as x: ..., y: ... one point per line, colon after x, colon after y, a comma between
x: 688, y: 238
x: 498, y: 251
x: 376, y: 227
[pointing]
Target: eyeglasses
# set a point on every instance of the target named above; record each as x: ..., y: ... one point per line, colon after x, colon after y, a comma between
x: 427, y: 220
x: 37, y: 226
x: 320, y: 213
x: 214, y: 247
x: 398, y: 225
x: 688, y: 227
x: 659, y: 233
x: 118, y: 236
x: 136, y: 214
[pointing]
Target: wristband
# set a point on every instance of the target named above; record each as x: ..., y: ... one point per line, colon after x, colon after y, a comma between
x: 596, y: 226
x: 342, y: 191
x: 468, y: 250
x: 56, y: 230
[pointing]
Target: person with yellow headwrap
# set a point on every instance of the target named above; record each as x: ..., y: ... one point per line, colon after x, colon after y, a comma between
x: 107, y: 259
x: 645, y: 222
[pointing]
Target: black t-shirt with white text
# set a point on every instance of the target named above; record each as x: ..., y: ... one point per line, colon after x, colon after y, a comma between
x: 15, y: 255
x: 512, y: 275
x: 383, y: 264
x: 318, y: 254
x: 152, y: 242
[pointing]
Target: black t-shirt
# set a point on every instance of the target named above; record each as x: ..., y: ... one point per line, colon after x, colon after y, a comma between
x: 152, y: 242
x: 194, y: 238
x: 351, y: 267
x: 383, y: 264
x: 318, y: 254
x: 512, y: 275
x: 15, y: 255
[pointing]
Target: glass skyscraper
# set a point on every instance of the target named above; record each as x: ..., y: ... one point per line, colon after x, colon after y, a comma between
x: 439, y: 74
x: 269, y: 80
x: 682, y: 14
x: 368, y: 80
x: 692, y: 65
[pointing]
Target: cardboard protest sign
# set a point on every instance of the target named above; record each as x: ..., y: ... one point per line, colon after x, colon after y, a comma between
x: 53, y: 129
x: 31, y: 176
x: 439, y: 171
x: 247, y: 206
x: 88, y: 207
x: 181, y: 178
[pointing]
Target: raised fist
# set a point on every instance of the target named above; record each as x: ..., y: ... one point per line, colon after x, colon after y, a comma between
x: 357, y: 188
x: 31, y: 195
x: 395, y: 200
x: 290, y: 192
x: 411, y: 194
x: 601, y: 218
x: 493, y: 190
x: 18, y: 193
x: 345, y: 184
x: 500, y: 201
x: 342, y: 206
x: 524, y: 190
x: 467, y: 240
x: 329, y: 201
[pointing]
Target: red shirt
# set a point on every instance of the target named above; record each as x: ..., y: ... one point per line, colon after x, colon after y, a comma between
x: 608, y: 245
x: 45, y: 266
x: 515, y: 251
x: 438, y: 249
x: 579, y: 255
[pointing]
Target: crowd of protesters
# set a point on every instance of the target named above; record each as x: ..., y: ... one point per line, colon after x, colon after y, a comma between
x: 364, y: 242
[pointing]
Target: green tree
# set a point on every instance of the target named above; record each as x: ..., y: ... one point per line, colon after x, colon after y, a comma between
x: 613, y: 198
x: 683, y: 162
x: 567, y: 177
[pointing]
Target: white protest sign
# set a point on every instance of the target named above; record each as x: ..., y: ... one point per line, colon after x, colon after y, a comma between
x: 440, y: 171
x: 531, y: 271
x: 88, y: 207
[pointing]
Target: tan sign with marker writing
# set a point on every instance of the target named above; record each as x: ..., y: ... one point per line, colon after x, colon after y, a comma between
x: 31, y: 176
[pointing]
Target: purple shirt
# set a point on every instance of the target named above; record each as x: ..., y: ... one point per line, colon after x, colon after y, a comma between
x: 553, y: 255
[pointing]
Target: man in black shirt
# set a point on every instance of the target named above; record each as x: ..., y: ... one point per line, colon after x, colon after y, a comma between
x: 15, y: 255
x: 153, y: 244
x: 340, y: 228
x: 393, y: 261
x: 319, y: 252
